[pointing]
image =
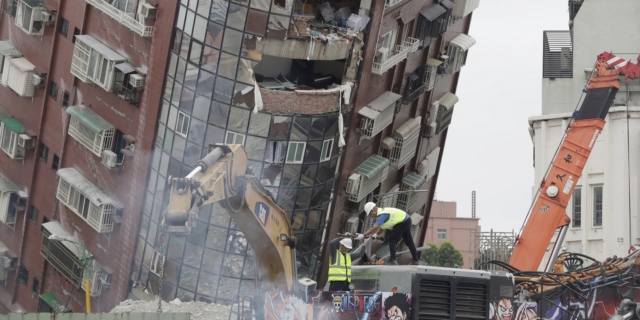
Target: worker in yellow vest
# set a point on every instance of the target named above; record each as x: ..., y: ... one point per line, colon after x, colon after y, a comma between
x: 340, y: 263
x: 397, y: 222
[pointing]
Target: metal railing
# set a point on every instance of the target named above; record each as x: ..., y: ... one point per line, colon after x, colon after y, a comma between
x: 398, y: 54
x: 413, y: 94
x: 557, y: 54
x: 126, y: 19
x: 128, y: 93
x: 412, y: 43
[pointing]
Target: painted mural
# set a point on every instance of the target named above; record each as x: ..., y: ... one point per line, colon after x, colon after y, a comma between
x: 328, y: 305
x: 507, y: 309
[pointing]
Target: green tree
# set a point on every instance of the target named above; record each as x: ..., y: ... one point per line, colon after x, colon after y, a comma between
x: 430, y: 256
x: 449, y: 256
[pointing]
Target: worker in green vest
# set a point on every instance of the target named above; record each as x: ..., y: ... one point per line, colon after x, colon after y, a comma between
x: 340, y: 263
x: 397, y: 222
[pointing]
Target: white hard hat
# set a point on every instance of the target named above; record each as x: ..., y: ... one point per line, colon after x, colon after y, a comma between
x: 368, y: 207
x: 346, y: 242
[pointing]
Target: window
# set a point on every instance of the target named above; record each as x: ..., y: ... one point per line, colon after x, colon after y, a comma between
x: 90, y: 129
x: 295, y: 153
x: 28, y: 17
x: 414, y: 86
x: 182, y: 124
x: 86, y: 200
x: 94, y: 62
x: 65, y: 99
x: 386, y: 44
x: 327, y: 147
x: 234, y: 138
x: 597, y: 206
x: 55, y: 162
x: 377, y: 114
x: 406, y: 29
x: 64, y: 26
x: 276, y: 152
x: 35, y: 287
x: 53, y: 90
x: 442, y: 234
x: 12, y: 6
x: 43, y: 153
x: 23, y: 274
x: 119, y: 143
x: 405, y: 142
x: 33, y: 214
x: 433, y: 22
x: 457, y: 51
x: 577, y: 208
x: 10, y: 130
x: 76, y: 32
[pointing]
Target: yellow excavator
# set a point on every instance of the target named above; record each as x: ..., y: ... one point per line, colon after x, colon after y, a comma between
x: 222, y: 177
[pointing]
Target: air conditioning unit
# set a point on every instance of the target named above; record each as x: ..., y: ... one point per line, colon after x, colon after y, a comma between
x: 352, y: 225
x: 105, y: 278
x: 307, y: 285
x: 384, y: 53
x: 25, y: 142
x: 109, y: 158
x: 148, y: 11
x: 6, y: 262
x: 136, y: 80
x: 48, y: 17
x: 37, y: 80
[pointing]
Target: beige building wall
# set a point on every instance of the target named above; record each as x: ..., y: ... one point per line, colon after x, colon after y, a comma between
x: 460, y: 231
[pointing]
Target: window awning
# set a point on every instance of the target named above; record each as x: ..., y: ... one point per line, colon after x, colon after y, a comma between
x: 7, y: 49
x: 125, y: 67
x: 463, y: 41
x: 447, y: 4
x: 6, y: 185
x: 408, y: 127
x: 88, y: 189
x: 388, y: 143
x: 23, y: 64
x: 384, y: 101
x: 372, y: 166
x: 448, y: 100
x: 33, y: 3
x: 101, y: 48
x: 434, y: 62
x: 56, y: 229
x: 53, y: 302
x: 432, y: 12
x: 13, y: 125
x: 413, y: 180
x: 89, y: 118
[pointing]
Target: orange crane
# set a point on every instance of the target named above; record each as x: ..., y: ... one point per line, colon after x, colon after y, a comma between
x: 548, y: 213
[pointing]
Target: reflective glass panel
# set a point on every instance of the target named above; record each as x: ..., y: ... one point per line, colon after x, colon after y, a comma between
x: 213, y: 36
x: 201, y: 108
x: 223, y: 90
x: 199, y: 29
x: 206, y: 81
x: 219, y: 11
x: 236, y: 17
x: 210, y: 57
x: 219, y: 114
x: 232, y: 41
x: 257, y: 21
x: 259, y: 124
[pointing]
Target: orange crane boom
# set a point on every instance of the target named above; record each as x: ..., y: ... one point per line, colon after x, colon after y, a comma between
x: 549, y: 210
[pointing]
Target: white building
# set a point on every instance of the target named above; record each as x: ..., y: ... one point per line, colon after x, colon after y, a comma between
x: 604, y: 208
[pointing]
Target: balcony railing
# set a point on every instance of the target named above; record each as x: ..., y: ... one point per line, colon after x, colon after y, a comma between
x: 128, y: 93
x: 412, y: 43
x: 400, y: 53
x: 124, y: 18
x: 413, y: 95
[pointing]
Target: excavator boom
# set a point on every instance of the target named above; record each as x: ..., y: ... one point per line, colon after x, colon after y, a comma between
x: 548, y: 213
x: 221, y: 177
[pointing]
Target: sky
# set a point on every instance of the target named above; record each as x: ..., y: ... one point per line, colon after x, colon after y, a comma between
x: 488, y: 147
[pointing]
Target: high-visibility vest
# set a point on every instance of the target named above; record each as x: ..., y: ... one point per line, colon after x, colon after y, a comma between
x: 396, y: 216
x: 341, y: 269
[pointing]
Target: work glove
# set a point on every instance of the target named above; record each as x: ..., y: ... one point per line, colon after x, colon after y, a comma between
x: 359, y: 236
x: 374, y: 236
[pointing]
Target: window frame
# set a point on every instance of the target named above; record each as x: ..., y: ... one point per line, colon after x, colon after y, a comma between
x: 43, y: 152
x: 12, y: 150
x: 65, y: 99
x: 576, y: 208
x: 33, y: 211
x: 64, y: 27
x: 235, y: 136
x: 597, y: 223
x: 181, y: 127
x: 55, y: 162
x: 53, y: 90
x: 323, y: 156
x: 441, y: 234
x: 295, y: 150
x: 23, y: 274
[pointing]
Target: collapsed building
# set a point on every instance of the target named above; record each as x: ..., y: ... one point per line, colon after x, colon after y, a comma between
x: 335, y: 102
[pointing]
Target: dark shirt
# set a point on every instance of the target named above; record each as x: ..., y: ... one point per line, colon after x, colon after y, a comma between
x: 335, y: 244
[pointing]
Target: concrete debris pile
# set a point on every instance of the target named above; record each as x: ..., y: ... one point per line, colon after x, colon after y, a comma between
x: 198, y: 310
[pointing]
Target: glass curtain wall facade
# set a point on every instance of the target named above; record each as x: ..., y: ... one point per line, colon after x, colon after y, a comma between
x: 295, y: 156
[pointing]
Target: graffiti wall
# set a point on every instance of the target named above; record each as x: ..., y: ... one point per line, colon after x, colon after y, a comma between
x: 507, y: 309
x: 328, y: 305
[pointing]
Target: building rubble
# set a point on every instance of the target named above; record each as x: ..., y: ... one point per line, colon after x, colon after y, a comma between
x: 197, y: 310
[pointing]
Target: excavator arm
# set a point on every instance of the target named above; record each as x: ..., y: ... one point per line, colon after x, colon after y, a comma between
x: 221, y: 177
x: 548, y: 213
